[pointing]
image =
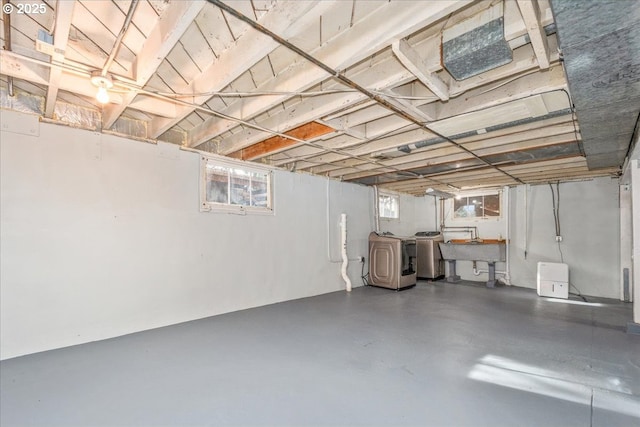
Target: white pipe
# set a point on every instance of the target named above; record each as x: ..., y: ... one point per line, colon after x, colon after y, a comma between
x: 507, y: 203
x: 345, y: 258
x: 478, y: 272
x: 435, y: 211
x: 329, y: 228
x: 376, y: 207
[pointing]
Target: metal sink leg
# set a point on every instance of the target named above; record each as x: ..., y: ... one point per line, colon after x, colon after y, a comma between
x: 452, y: 277
x: 491, y: 283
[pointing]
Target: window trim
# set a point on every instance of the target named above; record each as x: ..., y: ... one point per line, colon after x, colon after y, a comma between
x: 388, y: 194
x: 480, y: 193
x: 217, y: 207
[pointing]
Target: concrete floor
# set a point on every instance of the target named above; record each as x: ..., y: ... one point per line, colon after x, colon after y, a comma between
x: 435, y: 355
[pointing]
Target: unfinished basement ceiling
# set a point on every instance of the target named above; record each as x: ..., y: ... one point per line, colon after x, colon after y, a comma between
x: 403, y: 94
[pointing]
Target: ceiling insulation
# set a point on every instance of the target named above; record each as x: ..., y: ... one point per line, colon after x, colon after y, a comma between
x: 600, y: 42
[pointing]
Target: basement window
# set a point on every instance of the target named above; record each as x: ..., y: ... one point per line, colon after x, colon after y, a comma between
x: 478, y: 206
x: 389, y: 206
x: 234, y: 187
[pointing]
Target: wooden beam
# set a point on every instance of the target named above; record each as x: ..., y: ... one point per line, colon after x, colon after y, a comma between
x: 63, y: 15
x: 530, y: 11
x: 388, y: 72
x: 389, y: 22
x: 478, y: 99
x: 414, y: 63
x: 527, y: 85
x: 533, y: 129
x: 305, y: 132
x: 171, y: 25
x: 445, y: 155
x: 241, y: 55
x: 15, y: 65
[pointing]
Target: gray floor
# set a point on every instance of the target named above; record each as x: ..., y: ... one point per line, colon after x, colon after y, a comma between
x: 437, y: 354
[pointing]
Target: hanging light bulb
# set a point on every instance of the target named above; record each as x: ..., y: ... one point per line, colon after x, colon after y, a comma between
x: 102, y: 83
x: 102, y: 96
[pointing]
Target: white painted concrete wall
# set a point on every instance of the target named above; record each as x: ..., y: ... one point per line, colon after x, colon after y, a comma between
x: 405, y: 225
x: 425, y: 213
x: 590, y: 226
x: 102, y: 236
x: 634, y: 167
x: 590, y: 229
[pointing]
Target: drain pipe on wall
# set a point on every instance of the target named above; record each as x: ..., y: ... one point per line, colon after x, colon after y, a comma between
x: 329, y: 228
x: 345, y: 258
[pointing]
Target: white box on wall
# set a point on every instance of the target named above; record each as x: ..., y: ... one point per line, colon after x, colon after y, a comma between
x: 553, y: 280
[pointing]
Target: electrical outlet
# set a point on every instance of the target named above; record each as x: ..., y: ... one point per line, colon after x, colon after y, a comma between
x: 558, y: 238
x: 361, y: 259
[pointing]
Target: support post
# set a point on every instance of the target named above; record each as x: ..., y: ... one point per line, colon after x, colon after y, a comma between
x: 452, y: 277
x: 491, y: 283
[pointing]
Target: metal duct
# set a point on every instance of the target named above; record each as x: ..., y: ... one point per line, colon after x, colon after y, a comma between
x: 600, y: 43
x: 467, y: 53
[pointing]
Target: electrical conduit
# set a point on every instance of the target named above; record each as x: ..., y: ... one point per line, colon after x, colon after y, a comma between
x: 345, y: 258
x: 376, y: 208
x: 507, y: 208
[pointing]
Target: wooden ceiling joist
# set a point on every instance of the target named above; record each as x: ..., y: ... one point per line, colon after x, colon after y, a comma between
x: 305, y: 132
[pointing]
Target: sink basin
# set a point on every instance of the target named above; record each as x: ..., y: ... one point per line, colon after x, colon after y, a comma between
x: 474, y: 251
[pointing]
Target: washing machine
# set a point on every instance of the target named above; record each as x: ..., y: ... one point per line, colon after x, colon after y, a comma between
x: 430, y: 262
x: 392, y: 261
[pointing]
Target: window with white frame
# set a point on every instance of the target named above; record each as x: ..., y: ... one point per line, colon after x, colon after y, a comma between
x: 229, y: 186
x: 478, y: 206
x: 389, y: 206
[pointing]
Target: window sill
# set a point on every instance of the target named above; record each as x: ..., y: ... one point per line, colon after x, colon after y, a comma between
x: 235, y: 209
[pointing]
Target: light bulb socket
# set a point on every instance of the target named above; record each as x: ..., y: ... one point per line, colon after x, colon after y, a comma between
x: 100, y: 81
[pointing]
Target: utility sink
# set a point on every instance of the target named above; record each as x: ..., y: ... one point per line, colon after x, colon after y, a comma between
x: 474, y: 251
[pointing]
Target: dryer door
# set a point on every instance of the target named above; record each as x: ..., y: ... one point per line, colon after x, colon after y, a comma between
x: 383, y: 267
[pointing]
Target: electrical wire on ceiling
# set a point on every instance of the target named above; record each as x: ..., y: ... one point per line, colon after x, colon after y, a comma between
x: 55, y: 19
x: 172, y: 95
x: 248, y: 124
x: 519, y: 76
x: 340, y: 76
x: 351, y: 147
x: 574, y: 118
x: 118, y: 43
